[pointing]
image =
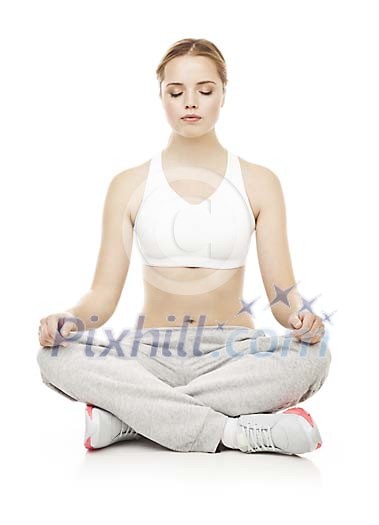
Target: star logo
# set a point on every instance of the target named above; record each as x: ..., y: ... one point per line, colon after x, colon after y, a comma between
x: 326, y: 317
x: 307, y: 304
x: 246, y: 307
x: 281, y: 295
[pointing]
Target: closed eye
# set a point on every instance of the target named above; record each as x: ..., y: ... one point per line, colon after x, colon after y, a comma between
x: 178, y: 94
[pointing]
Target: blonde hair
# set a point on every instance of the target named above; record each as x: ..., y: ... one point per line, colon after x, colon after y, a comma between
x: 194, y: 47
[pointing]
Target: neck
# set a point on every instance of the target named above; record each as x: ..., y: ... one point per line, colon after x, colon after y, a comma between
x: 195, y: 148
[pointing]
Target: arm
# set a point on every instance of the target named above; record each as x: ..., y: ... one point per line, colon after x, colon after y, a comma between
x: 272, y: 248
x: 113, y: 258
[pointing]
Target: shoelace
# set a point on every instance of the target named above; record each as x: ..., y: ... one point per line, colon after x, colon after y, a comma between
x: 256, y: 435
x: 125, y: 431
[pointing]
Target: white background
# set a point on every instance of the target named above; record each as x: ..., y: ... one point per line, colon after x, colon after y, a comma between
x: 79, y: 104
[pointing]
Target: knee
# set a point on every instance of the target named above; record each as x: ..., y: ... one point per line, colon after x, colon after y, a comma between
x: 52, y: 373
x: 42, y: 360
x: 312, y: 367
x: 323, y: 358
x: 319, y: 360
x: 42, y: 355
x: 47, y: 359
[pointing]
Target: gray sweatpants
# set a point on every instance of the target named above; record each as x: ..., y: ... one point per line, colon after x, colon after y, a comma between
x: 178, y: 385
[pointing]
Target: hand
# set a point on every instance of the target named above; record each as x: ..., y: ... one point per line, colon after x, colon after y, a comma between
x: 55, y: 327
x: 308, y: 327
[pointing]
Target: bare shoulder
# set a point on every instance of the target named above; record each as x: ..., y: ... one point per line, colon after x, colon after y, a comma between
x: 131, y: 176
x: 127, y: 186
x: 261, y: 183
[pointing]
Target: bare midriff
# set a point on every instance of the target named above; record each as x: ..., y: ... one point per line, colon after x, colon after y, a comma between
x: 179, y: 296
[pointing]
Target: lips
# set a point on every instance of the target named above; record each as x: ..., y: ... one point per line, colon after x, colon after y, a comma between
x: 191, y: 118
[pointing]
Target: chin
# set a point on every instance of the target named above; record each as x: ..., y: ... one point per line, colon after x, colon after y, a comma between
x: 193, y: 133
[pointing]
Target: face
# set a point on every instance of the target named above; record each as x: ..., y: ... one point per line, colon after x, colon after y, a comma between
x: 183, y: 91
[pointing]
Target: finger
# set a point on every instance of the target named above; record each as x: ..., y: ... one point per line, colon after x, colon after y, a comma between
x: 43, y: 334
x: 309, y: 334
x: 51, y: 324
x: 47, y: 342
x: 66, y: 328
x: 316, y: 329
x: 65, y: 332
x: 308, y: 320
x: 307, y: 324
x: 321, y: 330
x: 47, y: 337
x: 314, y: 341
x: 40, y: 334
x: 54, y: 333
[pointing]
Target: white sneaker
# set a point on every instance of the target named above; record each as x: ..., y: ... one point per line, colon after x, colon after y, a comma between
x: 290, y: 432
x: 103, y: 429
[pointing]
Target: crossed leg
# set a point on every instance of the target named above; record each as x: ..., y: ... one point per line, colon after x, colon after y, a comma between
x: 263, y: 381
x: 132, y: 390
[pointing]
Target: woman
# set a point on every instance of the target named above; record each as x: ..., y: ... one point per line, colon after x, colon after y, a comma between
x: 201, y: 377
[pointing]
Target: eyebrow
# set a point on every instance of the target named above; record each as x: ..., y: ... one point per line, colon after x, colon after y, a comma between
x: 197, y: 83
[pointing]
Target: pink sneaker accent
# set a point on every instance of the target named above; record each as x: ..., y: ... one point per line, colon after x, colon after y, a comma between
x: 300, y: 412
x: 88, y: 445
x: 87, y: 442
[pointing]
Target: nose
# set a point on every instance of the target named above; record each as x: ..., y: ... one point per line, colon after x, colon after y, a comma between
x: 190, y: 100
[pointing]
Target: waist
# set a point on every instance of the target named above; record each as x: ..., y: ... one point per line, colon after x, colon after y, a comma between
x: 192, y: 297
x: 177, y: 321
x: 190, y: 341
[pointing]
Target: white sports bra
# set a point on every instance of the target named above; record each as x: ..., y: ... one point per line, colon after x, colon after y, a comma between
x: 216, y: 233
